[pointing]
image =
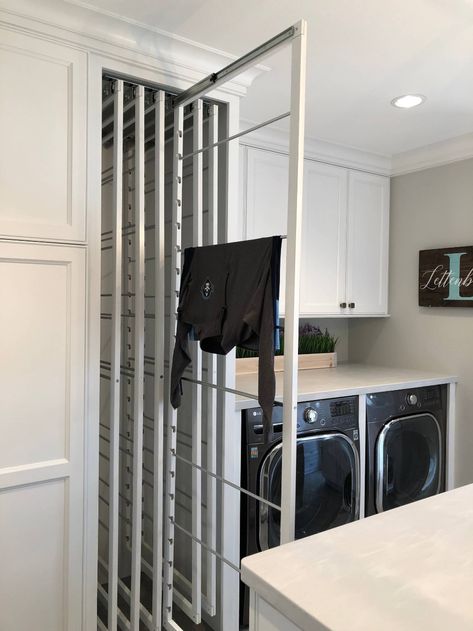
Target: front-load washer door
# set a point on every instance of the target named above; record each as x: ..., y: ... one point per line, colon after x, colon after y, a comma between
x: 327, y: 487
x: 408, y: 461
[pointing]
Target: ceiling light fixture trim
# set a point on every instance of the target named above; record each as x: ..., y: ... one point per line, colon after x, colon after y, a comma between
x: 407, y: 101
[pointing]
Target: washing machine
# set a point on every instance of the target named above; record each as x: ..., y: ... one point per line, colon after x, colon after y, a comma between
x: 406, y: 446
x: 327, y: 478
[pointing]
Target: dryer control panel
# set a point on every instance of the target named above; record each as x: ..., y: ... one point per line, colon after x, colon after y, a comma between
x: 383, y: 405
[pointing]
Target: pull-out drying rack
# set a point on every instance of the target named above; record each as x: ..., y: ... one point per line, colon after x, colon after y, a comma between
x: 207, y: 377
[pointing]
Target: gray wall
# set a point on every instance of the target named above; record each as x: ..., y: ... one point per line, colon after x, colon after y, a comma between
x: 429, y: 209
x: 338, y: 327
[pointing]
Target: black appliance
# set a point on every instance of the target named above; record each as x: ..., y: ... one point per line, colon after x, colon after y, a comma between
x: 327, y: 479
x: 406, y: 446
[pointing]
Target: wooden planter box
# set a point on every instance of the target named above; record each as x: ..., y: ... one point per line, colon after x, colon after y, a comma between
x: 306, y: 362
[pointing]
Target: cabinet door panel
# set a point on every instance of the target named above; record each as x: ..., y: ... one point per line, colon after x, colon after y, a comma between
x: 266, y: 199
x: 42, y: 324
x: 368, y: 243
x: 323, y: 239
x: 43, y: 131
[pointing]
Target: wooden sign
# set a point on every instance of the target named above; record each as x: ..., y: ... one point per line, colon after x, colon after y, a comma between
x: 446, y: 277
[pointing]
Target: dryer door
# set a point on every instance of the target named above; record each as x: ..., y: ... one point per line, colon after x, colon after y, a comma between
x: 327, y: 493
x: 408, y: 461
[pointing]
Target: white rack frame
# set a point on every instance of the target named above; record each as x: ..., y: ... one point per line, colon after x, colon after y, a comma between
x: 159, y: 351
x: 297, y: 36
x: 217, y: 372
x: 139, y: 345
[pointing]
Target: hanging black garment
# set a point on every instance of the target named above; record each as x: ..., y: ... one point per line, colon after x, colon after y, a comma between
x: 228, y: 297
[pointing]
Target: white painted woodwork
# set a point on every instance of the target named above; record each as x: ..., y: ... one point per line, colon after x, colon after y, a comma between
x: 43, y: 129
x: 323, y: 238
x: 368, y: 243
x: 345, y: 231
x: 42, y: 325
x: 266, y: 201
x: 264, y: 617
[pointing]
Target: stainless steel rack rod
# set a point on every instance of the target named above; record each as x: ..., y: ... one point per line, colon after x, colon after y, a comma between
x: 205, y: 546
x: 238, y: 135
x: 222, y: 388
x: 215, y: 476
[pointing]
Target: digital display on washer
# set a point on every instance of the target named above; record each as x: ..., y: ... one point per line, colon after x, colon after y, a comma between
x: 341, y: 408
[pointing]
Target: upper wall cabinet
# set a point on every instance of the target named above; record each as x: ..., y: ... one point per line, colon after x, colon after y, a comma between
x: 368, y: 243
x: 324, y: 236
x: 344, y: 231
x: 43, y: 132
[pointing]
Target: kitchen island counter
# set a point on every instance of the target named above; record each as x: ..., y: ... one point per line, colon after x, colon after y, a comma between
x: 410, y: 568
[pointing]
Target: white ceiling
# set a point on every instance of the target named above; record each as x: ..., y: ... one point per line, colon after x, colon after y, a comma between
x: 361, y: 54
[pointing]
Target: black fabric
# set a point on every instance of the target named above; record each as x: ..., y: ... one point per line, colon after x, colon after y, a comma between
x: 227, y: 298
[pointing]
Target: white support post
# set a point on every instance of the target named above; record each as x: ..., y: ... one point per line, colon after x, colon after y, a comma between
x: 291, y: 324
x: 450, y: 446
x: 197, y: 174
x: 176, y: 230
x: 159, y: 320
x: 114, y: 426
x: 138, y: 386
x: 362, y: 429
x: 211, y: 521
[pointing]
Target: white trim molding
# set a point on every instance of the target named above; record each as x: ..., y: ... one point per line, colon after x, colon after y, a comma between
x: 177, y: 61
x: 419, y: 159
x: 437, y: 154
x: 277, y: 139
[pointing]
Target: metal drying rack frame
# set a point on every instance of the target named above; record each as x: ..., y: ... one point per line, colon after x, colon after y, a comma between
x: 165, y: 418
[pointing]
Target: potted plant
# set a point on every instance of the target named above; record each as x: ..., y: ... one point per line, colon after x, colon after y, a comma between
x: 316, y: 350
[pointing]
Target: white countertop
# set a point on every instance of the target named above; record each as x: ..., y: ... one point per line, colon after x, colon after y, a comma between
x: 345, y: 380
x: 409, y: 569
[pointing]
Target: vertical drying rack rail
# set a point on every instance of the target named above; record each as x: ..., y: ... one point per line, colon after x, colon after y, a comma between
x: 157, y: 559
x: 296, y: 36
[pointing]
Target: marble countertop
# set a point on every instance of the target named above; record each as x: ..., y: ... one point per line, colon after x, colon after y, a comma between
x: 345, y: 380
x: 408, y: 569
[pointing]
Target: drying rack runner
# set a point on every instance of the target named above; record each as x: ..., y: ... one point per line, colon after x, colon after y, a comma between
x: 162, y: 477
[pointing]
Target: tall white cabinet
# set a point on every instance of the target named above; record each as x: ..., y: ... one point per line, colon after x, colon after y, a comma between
x: 345, y: 231
x: 42, y: 332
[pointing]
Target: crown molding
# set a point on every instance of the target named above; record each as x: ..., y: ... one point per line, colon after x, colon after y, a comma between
x: 180, y: 60
x: 434, y: 155
x: 277, y: 139
x: 419, y: 159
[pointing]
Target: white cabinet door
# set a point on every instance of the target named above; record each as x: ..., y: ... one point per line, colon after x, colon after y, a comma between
x: 323, y: 239
x: 345, y: 231
x: 42, y: 338
x: 323, y: 224
x: 43, y: 99
x: 267, y: 176
x: 368, y: 243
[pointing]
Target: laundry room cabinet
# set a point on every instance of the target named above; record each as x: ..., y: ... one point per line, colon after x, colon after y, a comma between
x: 345, y: 231
x: 43, y: 129
x: 42, y: 412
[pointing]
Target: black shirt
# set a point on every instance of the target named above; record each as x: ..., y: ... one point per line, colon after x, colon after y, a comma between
x: 227, y: 298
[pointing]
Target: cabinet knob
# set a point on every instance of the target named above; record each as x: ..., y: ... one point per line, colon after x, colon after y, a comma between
x: 351, y: 305
x: 343, y: 305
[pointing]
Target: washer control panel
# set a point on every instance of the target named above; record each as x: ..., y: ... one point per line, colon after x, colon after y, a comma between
x: 326, y: 414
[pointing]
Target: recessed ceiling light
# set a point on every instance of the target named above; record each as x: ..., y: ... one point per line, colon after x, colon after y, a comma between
x: 407, y: 101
